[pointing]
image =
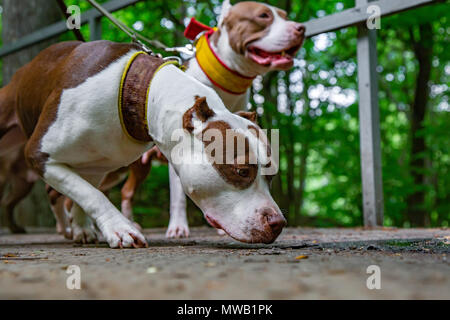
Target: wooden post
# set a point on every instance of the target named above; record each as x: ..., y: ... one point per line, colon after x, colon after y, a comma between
x: 95, y: 29
x: 369, y: 123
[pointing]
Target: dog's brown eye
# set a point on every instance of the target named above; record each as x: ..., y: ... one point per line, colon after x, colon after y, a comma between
x: 264, y: 15
x: 243, y: 172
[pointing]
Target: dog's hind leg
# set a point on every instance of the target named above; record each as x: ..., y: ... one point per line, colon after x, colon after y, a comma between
x: 57, y: 201
x: 20, y: 188
x: 178, y: 224
x: 8, y: 117
x: 12, y: 139
x: 138, y: 173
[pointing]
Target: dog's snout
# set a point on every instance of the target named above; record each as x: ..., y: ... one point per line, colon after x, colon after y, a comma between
x: 275, y: 220
x: 300, y: 28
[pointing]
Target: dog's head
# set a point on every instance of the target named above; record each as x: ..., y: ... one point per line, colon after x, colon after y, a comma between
x: 232, y: 186
x: 259, y: 35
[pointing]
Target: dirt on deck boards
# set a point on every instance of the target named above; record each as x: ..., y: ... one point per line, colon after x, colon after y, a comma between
x: 304, y: 263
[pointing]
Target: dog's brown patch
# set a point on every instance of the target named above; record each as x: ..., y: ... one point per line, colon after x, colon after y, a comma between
x: 201, y: 110
x: 241, y: 173
x: 247, y: 22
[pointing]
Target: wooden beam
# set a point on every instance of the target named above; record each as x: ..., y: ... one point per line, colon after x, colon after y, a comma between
x: 358, y: 15
x: 314, y: 27
x: 369, y: 126
x: 60, y: 27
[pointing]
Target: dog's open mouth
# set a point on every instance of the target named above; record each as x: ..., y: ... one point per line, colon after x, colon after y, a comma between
x: 282, y: 58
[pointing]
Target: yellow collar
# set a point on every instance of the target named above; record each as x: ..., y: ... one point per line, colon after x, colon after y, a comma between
x: 133, y: 94
x: 216, y: 71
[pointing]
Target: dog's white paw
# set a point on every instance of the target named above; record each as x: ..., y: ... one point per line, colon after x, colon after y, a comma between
x: 68, y: 233
x: 177, y: 230
x: 123, y: 234
x: 82, y: 233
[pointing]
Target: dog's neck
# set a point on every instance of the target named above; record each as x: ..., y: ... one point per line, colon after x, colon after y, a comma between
x: 172, y: 93
x: 219, y: 42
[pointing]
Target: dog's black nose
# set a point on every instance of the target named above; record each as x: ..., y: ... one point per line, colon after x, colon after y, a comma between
x: 300, y: 28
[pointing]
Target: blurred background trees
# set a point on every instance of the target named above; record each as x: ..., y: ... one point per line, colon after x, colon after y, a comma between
x: 315, y: 107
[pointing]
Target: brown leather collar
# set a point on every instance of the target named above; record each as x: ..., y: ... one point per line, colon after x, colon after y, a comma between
x: 133, y: 94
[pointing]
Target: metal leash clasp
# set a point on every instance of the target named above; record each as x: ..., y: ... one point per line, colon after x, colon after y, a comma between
x: 188, y: 50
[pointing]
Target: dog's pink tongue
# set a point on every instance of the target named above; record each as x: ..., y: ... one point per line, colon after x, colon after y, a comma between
x: 281, y: 60
x: 260, y: 60
x: 274, y: 60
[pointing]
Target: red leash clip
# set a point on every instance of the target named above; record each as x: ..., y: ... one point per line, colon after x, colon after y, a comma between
x: 194, y: 28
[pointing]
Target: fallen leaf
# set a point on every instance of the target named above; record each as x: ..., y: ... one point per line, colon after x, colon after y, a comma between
x: 151, y: 270
x: 300, y: 257
x: 10, y: 255
x: 210, y: 264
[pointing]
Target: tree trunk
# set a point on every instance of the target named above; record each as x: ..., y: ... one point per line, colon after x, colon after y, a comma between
x: 423, y: 49
x: 19, y: 19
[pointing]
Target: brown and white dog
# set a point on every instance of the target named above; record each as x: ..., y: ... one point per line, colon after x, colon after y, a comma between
x: 251, y: 39
x: 69, y: 101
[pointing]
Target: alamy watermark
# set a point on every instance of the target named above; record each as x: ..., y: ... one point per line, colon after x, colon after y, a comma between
x: 74, y: 20
x: 73, y: 281
x: 229, y: 147
x: 374, y: 20
x: 374, y: 280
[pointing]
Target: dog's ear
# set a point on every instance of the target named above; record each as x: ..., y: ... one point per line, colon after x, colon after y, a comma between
x: 226, y: 6
x: 200, y: 110
x: 249, y: 115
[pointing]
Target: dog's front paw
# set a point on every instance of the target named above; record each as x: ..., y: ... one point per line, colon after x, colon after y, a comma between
x: 82, y: 233
x: 123, y: 234
x: 68, y: 233
x: 65, y: 231
x: 177, y: 230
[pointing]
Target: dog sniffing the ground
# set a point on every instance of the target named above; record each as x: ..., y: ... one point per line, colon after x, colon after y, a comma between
x: 227, y: 60
x: 88, y: 109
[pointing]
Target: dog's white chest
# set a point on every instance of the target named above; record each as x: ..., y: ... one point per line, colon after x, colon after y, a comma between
x: 87, y: 131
